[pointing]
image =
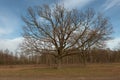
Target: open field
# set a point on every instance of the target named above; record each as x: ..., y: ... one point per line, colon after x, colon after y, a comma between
x: 90, y: 72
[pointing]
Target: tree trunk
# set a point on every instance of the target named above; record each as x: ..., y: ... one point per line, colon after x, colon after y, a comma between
x: 83, y: 56
x: 57, y: 63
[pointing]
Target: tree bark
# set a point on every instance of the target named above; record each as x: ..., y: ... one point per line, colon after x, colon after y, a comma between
x: 57, y: 63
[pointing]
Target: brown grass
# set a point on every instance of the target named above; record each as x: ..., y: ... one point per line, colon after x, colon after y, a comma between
x: 39, y: 72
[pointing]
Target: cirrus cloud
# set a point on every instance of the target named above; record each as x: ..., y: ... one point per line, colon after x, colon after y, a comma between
x: 111, y: 4
x: 9, y: 25
x: 75, y: 3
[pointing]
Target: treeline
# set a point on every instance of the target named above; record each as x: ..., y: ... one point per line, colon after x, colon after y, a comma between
x: 10, y: 58
x: 93, y: 56
x: 6, y: 57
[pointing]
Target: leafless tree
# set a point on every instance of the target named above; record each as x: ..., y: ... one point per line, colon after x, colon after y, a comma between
x: 60, y: 30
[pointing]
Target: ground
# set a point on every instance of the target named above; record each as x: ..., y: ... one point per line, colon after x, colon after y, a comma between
x: 108, y: 71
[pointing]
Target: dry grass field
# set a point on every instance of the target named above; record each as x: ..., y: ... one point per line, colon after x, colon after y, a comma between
x: 109, y: 71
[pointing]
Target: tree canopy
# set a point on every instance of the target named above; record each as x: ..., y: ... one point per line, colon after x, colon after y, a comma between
x: 60, y: 31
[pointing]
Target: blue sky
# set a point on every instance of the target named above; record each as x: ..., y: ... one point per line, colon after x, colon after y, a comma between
x: 12, y: 10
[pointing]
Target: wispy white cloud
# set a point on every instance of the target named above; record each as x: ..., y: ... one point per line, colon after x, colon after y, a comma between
x: 11, y: 44
x: 113, y: 44
x: 75, y: 3
x: 8, y: 23
x: 110, y: 4
x: 4, y: 31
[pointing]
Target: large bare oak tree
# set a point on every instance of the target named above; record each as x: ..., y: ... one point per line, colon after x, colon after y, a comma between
x: 60, y: 31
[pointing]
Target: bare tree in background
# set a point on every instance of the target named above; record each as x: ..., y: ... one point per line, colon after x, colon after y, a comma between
x: 59, y: 31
